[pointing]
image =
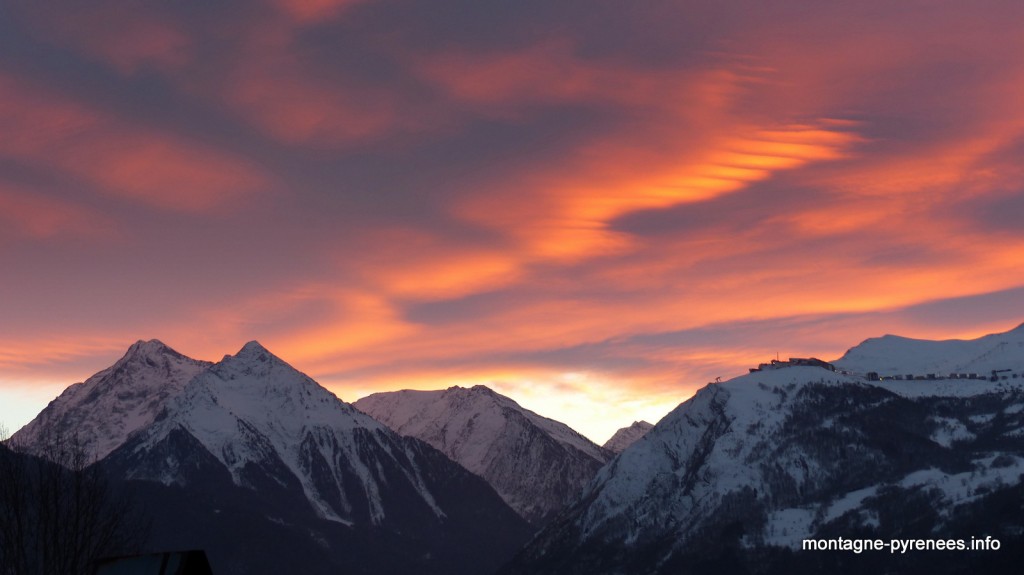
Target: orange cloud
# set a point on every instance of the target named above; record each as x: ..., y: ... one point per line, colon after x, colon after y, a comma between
x: 121, y: 160
x: 404, y: 262
x: 28, y: 354
x: 567, y: 217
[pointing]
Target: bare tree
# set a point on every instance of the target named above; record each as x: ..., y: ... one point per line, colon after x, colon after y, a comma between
x: 58, y: 511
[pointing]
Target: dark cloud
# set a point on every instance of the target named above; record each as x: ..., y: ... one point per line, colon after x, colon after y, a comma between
x: 1003, y: 309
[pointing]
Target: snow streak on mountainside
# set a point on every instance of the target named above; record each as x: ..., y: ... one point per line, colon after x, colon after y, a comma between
x: 108, y: 407
x: 536, y: 464
x: 627, y: 436
x: 747, y: 469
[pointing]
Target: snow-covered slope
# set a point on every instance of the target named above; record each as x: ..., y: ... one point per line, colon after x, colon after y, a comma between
x: 107, y: 408
x: 536, y: 464
x: 250, y: 448
x: 767, y: 459
x: 270, y: 425
x: 893, y: 355
x: 627, y: 436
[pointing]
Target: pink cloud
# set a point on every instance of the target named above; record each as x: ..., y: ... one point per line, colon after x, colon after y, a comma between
x: 122, y: 160
x: 39, y: 217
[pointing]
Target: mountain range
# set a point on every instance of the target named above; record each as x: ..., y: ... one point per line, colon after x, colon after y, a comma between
x: 270, y: 471
x: 249, y: 458
x: 736, y: 478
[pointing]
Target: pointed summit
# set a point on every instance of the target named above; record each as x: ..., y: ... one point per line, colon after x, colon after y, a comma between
x: 137, y: 386
x: 254, y: 352
x: 260, y: 365
x: 150, y: 348
x: 627, y: 436
x: 253, y: 348
x: 147, y: 345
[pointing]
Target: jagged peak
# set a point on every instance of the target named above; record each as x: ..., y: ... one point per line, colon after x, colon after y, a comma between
x: 254, y: 351
x: 255, y: 360
x: 148, y: 346
x: 253, y: 347
x: 476, y: 390
x: 149, y: 350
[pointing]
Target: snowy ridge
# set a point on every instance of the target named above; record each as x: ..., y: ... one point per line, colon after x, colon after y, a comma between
x: 694, y: 450
x: 536, y: 464
x: 627, y: 436
x: 895, y: 355
x: 104, y: 410
x: 775, y: 456
x: 414, y: 411
x: 253, y: 410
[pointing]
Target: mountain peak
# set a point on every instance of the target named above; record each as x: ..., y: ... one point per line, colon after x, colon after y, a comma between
x: 257, y: 361
x: 253, y: 348
x: 150, y: 348
x: 134, y: 388
x: 627, y: 436
x: 536, y: 464
x: 254, y: 353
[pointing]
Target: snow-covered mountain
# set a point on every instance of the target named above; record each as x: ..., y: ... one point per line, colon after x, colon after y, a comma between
x: 735, y: 478
x: 111, y: 405
x: 251, y: 445
x: 893, y: 355
x: 536, y: 464
x: 627, y: 436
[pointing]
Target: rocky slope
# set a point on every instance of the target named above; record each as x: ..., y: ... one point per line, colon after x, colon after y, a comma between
x: 267, y: 470
x: 735, y: 478
x: 536, y: 464
x: 105, y: 409
x: 627, y: 436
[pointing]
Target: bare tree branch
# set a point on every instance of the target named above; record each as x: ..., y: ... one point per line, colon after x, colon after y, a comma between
x: 58, y: 510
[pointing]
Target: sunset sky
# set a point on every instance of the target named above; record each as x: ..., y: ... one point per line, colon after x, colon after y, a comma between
x: 593, y: 207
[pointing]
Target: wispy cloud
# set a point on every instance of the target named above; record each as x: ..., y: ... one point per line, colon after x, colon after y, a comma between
x: 575, y: 203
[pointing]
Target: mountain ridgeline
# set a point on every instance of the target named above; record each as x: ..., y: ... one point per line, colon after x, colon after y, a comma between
x: 536, y: 464
x: 900, y: 438
x: 270, y: 472
x: 257, y: 463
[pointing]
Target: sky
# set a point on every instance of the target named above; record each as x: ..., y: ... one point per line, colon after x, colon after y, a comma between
x: 593, y: 207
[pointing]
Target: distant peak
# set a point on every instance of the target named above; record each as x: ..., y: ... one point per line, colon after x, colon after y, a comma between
x: 254, y: 350
x: 478, y: 389
x: 143, y: 348
x: 148, y: 344
x: 253, y: 347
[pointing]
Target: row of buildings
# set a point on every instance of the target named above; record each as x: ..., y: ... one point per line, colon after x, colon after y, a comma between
x: 794, y: 362
x: 996, y: 375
